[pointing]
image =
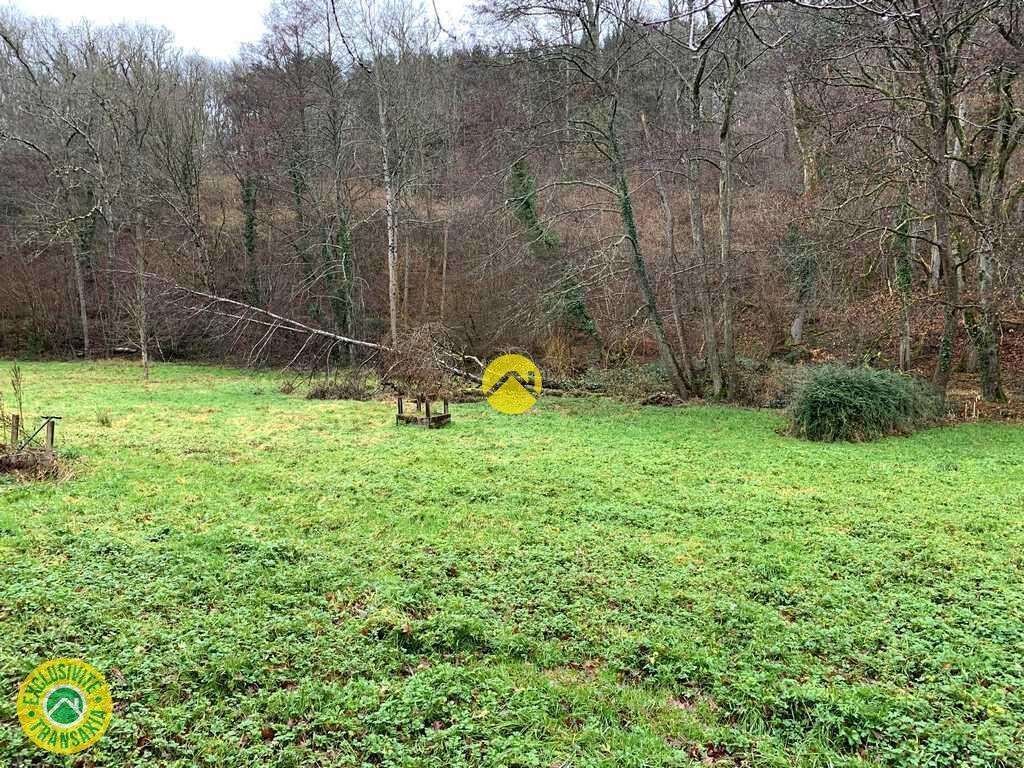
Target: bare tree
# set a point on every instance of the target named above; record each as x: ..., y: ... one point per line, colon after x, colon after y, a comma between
x: 389, y: 41
x: 569, y: 32
x: 53, y: 115
x: 987, y: 139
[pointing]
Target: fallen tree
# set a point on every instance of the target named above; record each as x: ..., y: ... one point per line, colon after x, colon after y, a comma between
x: 242, y: 314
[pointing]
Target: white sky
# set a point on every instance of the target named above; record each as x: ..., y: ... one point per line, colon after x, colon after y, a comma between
x: 215, y: 28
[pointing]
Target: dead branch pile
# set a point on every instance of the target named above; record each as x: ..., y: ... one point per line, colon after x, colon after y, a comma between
x: 420, y: 364
x: 26, y: 460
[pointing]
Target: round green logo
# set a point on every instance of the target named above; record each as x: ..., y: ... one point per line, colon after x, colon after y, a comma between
x: 64, y: 706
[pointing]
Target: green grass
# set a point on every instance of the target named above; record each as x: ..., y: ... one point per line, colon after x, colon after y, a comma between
x: 271, y: 581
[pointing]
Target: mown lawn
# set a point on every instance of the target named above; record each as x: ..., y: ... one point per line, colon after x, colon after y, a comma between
x: 270, y: 581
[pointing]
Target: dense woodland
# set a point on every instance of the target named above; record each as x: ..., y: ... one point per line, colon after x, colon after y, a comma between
x: 597, y: 182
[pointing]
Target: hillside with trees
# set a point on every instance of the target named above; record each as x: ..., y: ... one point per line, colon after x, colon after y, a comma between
x: 599, y: 183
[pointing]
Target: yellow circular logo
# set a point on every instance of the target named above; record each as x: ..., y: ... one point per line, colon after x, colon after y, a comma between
x: 64, y: 706
x: 511, y: 383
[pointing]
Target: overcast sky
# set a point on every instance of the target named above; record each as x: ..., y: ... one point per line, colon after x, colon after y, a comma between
x: 215, y: 28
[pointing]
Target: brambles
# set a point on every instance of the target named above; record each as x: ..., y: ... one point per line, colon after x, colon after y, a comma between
x: 349, y: 384
x: 855, y: 404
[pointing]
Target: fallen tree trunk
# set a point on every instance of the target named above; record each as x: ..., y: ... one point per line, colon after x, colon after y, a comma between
x: 243, y: 313
x: 14, y: 462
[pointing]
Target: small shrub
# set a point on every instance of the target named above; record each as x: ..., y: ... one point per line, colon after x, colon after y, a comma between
x: 347, y: 385
x: 103, y: 418
x: 838, y: 403
x: 557, y: 358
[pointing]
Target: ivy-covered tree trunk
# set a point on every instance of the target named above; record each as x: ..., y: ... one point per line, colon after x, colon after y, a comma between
x: 543, y: 244
x: 801, y: 263
x: 903, y: 270
x: 248, y: 192
x: 951, y: 286
x: 81, y: 254
x: 983, y: 325
x: 81, y: 260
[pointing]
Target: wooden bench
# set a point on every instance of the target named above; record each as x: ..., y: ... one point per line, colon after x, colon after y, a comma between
x: 422, y: 417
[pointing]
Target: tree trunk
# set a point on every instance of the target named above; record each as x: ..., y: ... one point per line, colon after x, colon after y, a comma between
x: 338, y: 269
x: 406, y: 269
x: 984, y: 328
x: 143, y: 323
x: 391, y: 216
x: 714, y: 365
x: 804, y: 142
x: 103, y: 303
x: 673, y: 261
x: 444, y: 267
x: 951, y: 286
x: 668, y: 359
x: 427, y: 266
x: 903, y: 276
x: 725, y: 190
x: 253, y: 291
x: 904, y: 348
x: 935, y: 273
x: 83, y: 302
x: 796, y: 329
x: 676, y: 290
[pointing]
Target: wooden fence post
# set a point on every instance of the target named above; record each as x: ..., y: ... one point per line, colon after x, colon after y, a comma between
x: 51, y: 426
x: 15, y: 419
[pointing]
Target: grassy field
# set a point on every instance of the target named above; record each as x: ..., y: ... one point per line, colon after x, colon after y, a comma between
x: 271, y: 581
